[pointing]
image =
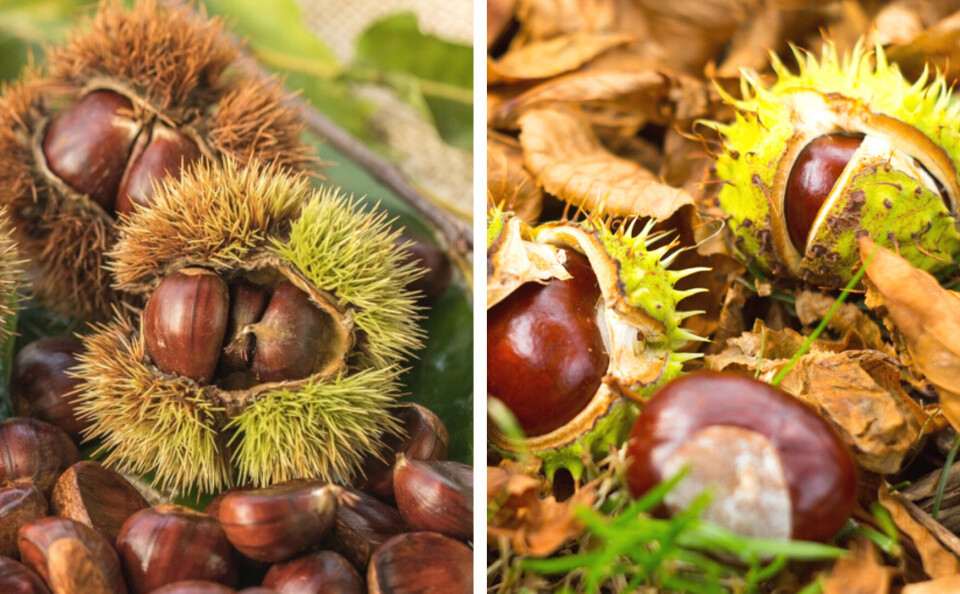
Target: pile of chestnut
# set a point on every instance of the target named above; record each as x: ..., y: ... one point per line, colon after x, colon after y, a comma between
x: 71, y: 526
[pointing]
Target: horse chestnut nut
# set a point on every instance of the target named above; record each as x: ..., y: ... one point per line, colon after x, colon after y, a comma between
x: 775, y: 468
x: 545, y: 352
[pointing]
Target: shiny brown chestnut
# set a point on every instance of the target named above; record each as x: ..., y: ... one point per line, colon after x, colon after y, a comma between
x: 275, y: 523
x: 34, y: 450
x: 435, y: 495
x: 775, y: 467
x: 289, y: 337
x: 247, y: 303
x: 161, y: 157
x: 194, y: 587
x: 39, y: 383
x: 433, y: 284
x: 171, y: 543
x: 815, y: 172
x: 424, y: 437
x: 545, y: 351
x: 87, y: 145
x: 20, y: 504
x: 363, y: 523
x: 72, y: 558
x: 96, y: 496
x: 185, y: 321
x: 16, y: 578
x: 324, y: 572
x: 421, y: 562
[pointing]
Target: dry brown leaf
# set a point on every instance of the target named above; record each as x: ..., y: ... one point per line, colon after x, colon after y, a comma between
x: 568, y: 161
x: 508, y: 183
x: 860, y: 572
x: 499, y: 15
x: 944, y: 585
x: 642, y: 89
x: 544, y: 19
x: 812, y: 306
x: 926, y: 315
x: 937, y: 561
x: 939, y: 45
x: 535, y: 525
x: 857, y: 391
x: 543, y: 59
x: 750, y: 47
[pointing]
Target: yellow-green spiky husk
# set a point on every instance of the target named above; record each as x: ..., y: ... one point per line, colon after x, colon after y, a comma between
x: 642, y: 317
x: 893, y: 208
x: 12, y: 280
x: 176, y: 67
x: 235, y: 219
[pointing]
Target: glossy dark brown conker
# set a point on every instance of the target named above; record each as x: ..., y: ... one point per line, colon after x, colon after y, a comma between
x: 39, y: 383
x: 35, y: 451
x: 545, y: 351
x: 171, y: 543
x: 324, y: 572
x: 818, y: 470
x: 814, y: 173
x: 185, y: 321
x: 275, y: 523
x: 87, y: 145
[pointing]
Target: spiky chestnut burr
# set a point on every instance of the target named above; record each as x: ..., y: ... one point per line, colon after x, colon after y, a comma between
x: 267, y: 227
x: 12, y: 277
x: 132, y: 96
x: 841, y: 149
x: 582, y: 324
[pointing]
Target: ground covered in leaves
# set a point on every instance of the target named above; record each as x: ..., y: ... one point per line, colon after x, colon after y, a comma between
x: 595, y: 104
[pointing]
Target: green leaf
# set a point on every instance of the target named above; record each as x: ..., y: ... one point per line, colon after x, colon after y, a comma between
x: 425, y: 70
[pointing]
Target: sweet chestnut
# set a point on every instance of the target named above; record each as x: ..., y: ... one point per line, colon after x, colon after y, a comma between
x: 325, y: 571
x: 545, y: 352
x: 33, y: 450
x: 20, y: 504
x: 774, y: 467
x: 421, y: 562
x: 15, y: 578
x: 39, y: 383
x: 435, y: 495
x: 96, y: 496
x: 71, y: 557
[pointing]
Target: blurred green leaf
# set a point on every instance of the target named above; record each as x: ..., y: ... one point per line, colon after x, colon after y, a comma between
x: 425, y: 70
x: 25, y: 25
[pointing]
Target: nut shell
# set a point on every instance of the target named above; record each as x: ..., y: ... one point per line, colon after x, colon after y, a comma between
x: 276, y: 523
x: 34, y: 450
x: 70, y: 556
x: 20, y: 504
x: 421, y: 562
x: 39, y: 383
x: 16, y: 578
x: 363, y: 523
x: 96, y: 496
x: 325, y: 572
x: 435, y: 496
x: 819, y: 471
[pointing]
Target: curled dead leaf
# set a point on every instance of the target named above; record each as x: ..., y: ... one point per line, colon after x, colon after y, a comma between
x: 937, y: 560
x: 927, y: 317
x: 543, y: 59
x: 508, y: 183
x: 861, y: 572
x: 568, y: 161
x: 535, y: 525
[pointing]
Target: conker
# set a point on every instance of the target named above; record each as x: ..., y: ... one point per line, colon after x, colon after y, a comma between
x: 15, y: 578
x: 185, y: 321
x: 275, y: 523
x: 424, y: 437
x: 96, y: 496
x: 435, y: 496
x: 815, y: 172
x: 39, y: 383
x: 169, y: 543
x: 775, y: 467
x: 421, y: 562
x: 20, y: 504
x: 71, y: 557
x: 545, y: 352
x: 320, y: 573
x: 87, y: 145
x: 34, y: 450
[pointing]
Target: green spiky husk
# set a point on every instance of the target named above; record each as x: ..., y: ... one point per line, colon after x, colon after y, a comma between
x: 643, y: 291
x: 922, y: 228
x: 235, y: 219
